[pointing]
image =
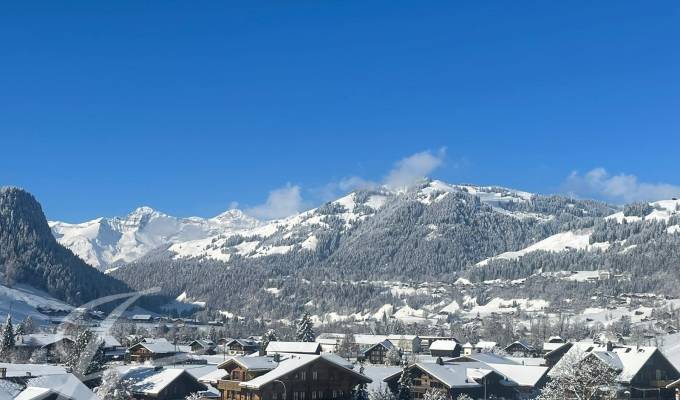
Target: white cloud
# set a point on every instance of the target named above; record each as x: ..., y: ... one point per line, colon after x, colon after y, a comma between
x: 280, y: 203
x: 624, y: 188
x: 413, y: 168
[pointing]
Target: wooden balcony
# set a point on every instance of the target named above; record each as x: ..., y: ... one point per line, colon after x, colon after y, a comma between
x: 225, y: 384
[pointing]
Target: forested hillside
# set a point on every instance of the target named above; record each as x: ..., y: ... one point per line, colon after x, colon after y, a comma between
x: 30, y: 255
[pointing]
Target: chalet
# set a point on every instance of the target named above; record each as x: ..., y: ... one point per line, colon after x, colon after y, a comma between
x: 445, y: 348
x: 289, y: 376
x: 426, y: 341
x: 142, y: 318
x: 203, y: 346
x: 476, y: 379
x: 241, y: 347
x: 329, y: 345
x: 643, y: 371
x: 293, y: 348
x: 41, y: 382
x: 152, y: 349
x: 55, y: 346
x: 484, y: 345
x: 407, y: 343
x: 520, y: 348
x: 377, y: 354
x: 161, y: 383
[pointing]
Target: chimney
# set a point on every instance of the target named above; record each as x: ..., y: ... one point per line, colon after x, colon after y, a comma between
x: 610, y: 346
x: 440, y: 361
x: 3, y: 373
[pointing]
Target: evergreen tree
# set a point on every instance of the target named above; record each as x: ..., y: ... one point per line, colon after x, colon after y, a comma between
x: 305, y: 329
x: 348, y: 346
x: 113, y: 387
x: 360, y: 392
x: 7, y: 343
x: 269, y: 336
x: 87, y: 355
x: 404, y: 384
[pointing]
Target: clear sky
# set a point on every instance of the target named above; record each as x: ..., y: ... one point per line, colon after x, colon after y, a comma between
x: 190, y: 106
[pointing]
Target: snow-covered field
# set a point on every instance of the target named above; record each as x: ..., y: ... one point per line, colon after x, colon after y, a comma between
x: 23, y: 300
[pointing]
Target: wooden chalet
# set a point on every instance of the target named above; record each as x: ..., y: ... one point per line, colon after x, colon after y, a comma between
x: 289, y: 377
x: 152, y: 349
x: 377, y: 354
x: 520, y: 348
x: 241, y: 347
x: 162, y: 383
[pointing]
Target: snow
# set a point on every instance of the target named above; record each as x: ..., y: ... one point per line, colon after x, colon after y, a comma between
x: 273, y: 290
x: 24, y: 300
x: 463, y: 281
x: 292, y: 347
x: 149, y: 381
x: 376, y: 201
x: 104, y: 241
x: 498, y: 305
x: 579, y: 240
x: 673, y: 229
x: 452, y: 308
x: 385, y: 310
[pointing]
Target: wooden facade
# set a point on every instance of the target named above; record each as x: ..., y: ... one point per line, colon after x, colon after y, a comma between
x: 377, y: 354
x: 318, y: 380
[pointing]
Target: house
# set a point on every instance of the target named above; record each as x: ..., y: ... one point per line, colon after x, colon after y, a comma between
x: 475, y: 378
x: 152, y: 349
x: 290, y: 377
x: 468, y: 349
x: 241, y: 347
x: 377, y: 354
x: 641, y: 369
x: 484, y: 345
x: 142, y: 318
x: 162, y: 383
x: 329, y: 345
x: 445, y: 348
x: 203, y: 346
x: 54, y: 345
x: 41, y: 382
x: 407, y: 343
x: 426, y: 341
x: 520, y: 348
x: 556, y: 354
x: 293, y: 347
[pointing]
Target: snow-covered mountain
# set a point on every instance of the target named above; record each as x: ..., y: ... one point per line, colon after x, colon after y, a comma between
x: 104, y: 242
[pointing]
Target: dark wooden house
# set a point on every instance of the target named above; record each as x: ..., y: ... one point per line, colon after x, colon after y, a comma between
x: 377, y: 354
x: 289, y: 377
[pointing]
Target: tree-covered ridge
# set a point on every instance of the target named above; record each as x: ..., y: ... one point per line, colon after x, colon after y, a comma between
x: 30, y: 255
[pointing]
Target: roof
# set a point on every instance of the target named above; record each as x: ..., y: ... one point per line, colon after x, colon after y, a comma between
x: 205, y: 343
x: 242, y: 342
x: 20, y: 370
x: 141, y: 316
x: 64, y: 385
x: 444, y: 345
x: 521, y: 343
x: 385, y: 343
x: 367, y: 339
x: 523, y: 375
x: 452, y: 375
x: 402, y: 337
x: 213, y: 376
x: 488, y: 358
x: 293, y: 347
x: 485, y: 345
x: 293, y: 362
x: 41, y: 339
x: 149, y: 381
x: 259, y: 363
x: 629, y: 360
x: 157, y: 347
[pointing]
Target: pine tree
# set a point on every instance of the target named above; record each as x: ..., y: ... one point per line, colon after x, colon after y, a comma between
x: 305, y: 329
x: 360, y: 392
x: 7, y: 344
x: 87, y: 355
x: 113, y: 387
x: 269, y: 336
x: 404, y: 384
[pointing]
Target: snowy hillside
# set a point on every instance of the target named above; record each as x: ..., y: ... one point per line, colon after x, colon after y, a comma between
x: 105, y: 241
x: 24, y: 301
x: 299, y: 232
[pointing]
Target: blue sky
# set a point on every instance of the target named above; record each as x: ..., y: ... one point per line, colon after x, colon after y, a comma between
x: 190, y: 107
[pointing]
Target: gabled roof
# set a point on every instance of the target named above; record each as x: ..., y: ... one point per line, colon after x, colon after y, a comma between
x: 521, y: 343
x: 293, y: 347
x: 41, y: 339
x: 152, y: 381
x: 259, y: 363
x: 452, y: 375
x: 65, y: 386
x: 205, y: 343
x: 523, y: 375
x: 488, y: 358
x: 293, y: 362
x: 242, y: 342
x: 156, y: 347
x: 385, y: 343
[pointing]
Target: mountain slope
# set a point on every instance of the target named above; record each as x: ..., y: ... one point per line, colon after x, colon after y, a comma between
x: 107, y: 241
x: 30, y: 255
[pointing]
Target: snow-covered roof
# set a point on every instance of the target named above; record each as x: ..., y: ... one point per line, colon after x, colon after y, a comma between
x: 21, y: 370
x: 63, y: 386
x: 488, y: 358
x: 40, y: 339
x: 629, y: 360
x: 258, y: 363
x: 150, y: 381
x: 444, y: 345
x: 367, y: 339
x: 523, y: 375
x: 452, y: 375
x: 213, y: 376
x: 385, y: 343
x: 548, y: 347
x: 293, y: 347
x: 402, y: 337
x: 293, y: 362
x: 485, y: 345
x: 157, y: 347
x: 142, y: 317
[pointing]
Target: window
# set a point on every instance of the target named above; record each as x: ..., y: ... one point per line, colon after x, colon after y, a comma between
x: 314, y: 395
x: 303, y: 375
x: 315, y: 375
x: 275, y: 395
x: 302, y: 395
x: 296, y: 396
x: 335, y: 394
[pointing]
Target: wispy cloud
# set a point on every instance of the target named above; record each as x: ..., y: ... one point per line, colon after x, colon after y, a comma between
x: 621, y: 188
x: 281, y: 202
x: 413, y: 168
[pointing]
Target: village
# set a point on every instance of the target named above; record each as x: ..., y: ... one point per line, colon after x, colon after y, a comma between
x: 84, y: 361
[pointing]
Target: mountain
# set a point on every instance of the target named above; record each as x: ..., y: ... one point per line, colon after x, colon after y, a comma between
x: 30, y: 255
x: 338, y: 257
x: 105, y: 242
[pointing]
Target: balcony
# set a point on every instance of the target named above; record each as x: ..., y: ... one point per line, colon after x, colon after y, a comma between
x: 225, y: 384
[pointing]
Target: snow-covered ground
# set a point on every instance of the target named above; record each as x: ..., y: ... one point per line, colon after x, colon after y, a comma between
x: 24, y: 300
